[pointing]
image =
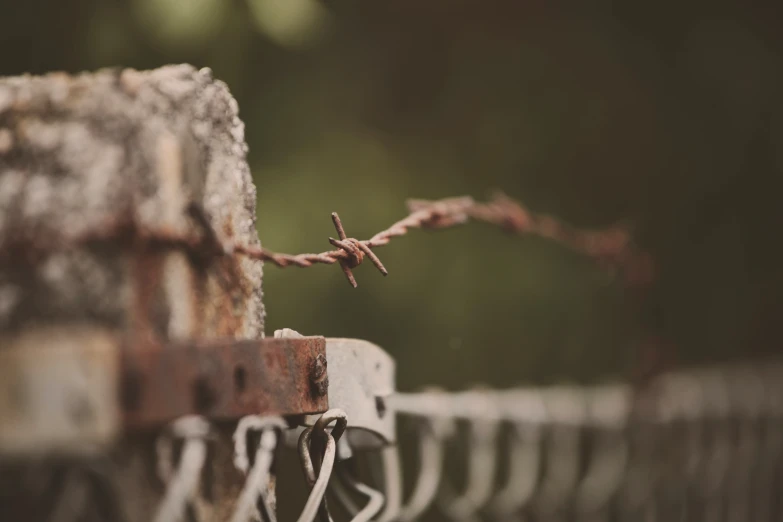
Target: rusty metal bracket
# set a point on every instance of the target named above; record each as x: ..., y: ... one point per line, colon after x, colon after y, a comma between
x: 222, y: 380
x: 70, y: 390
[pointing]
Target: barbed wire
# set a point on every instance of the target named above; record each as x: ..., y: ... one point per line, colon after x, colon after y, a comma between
x: 611, y: 248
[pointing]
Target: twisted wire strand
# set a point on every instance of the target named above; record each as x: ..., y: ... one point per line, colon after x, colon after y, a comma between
x: 612, y: 248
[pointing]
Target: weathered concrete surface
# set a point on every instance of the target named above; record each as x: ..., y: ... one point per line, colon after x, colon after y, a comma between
x: 83, y: 155
x: 90, y: 166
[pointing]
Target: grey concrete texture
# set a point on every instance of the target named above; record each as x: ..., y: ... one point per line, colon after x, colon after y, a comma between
x: 82, y: 154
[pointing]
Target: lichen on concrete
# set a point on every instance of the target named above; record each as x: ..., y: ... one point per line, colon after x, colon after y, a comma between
x: 78, y: 153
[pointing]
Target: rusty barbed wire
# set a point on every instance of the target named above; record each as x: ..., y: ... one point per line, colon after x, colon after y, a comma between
x: 611, y: 247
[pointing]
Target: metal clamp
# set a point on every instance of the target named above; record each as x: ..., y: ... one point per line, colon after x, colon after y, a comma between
x: 223, y: 379
x: 361, y: 382
x: 71, y: 390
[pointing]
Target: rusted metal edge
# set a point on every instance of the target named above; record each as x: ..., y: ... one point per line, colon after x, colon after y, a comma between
x: 75, y: 389
x: 222, y: 379
x: 361, y: 382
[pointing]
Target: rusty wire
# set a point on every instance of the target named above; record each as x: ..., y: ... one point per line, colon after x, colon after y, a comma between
x: 610, y: 247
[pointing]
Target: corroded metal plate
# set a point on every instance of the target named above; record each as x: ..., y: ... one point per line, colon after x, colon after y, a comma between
x: 223, y: 379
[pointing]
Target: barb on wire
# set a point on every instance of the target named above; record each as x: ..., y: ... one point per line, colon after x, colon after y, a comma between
x: 611, y: 247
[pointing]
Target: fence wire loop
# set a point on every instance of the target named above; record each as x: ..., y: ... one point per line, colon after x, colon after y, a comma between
x: 317, y: 455
x: 254, y: 423
x: 257, y: 483
x: 605, y: 472
x: 334, y: 415
x: 482, y: 461
x: 317, y: 482
x: 525, y: 463
x: 348, y: 483
x: 431, y: 439
x: 183, y: 479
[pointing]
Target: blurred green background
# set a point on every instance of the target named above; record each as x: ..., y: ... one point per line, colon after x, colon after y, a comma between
x: 668, y: 117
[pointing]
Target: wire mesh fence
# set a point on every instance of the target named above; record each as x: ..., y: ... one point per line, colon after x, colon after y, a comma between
x: 694, y: 445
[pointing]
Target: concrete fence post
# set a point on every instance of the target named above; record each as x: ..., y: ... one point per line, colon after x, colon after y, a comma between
x: 89, y: 164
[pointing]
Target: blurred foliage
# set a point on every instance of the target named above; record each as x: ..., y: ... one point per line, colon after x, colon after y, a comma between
x: 666, y: 116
